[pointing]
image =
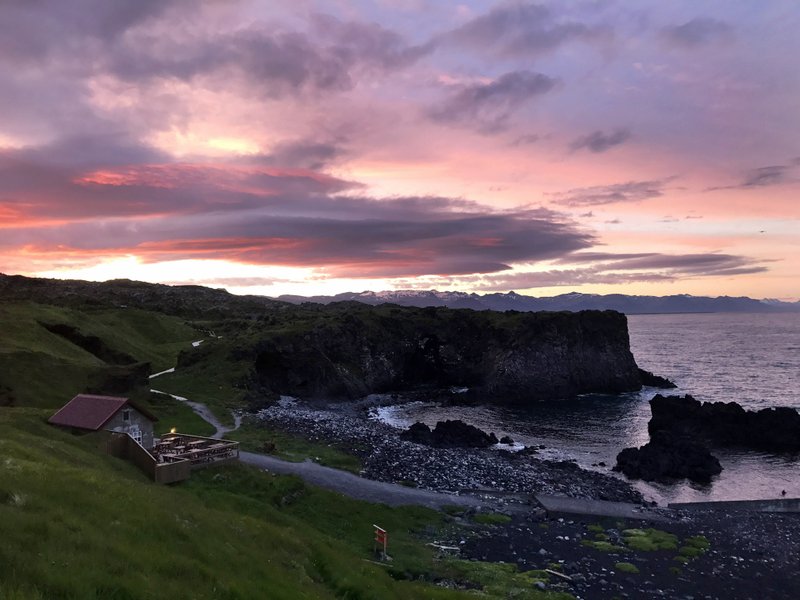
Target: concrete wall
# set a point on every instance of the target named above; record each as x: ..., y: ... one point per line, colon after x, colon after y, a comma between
x: 137, y: 419
x: 789, y: 505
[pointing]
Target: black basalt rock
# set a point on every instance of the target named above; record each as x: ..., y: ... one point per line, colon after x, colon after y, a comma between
x: 449, y: 434
x: 726, y: 423
x: 419, y: 433
x: 666, y: 458
x: 349, y: 351
x: 652, y: 380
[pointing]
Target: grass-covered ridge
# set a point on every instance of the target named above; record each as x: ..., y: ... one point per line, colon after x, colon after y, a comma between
x: 76, y: 523
x: 44, y: 369
x: 265, y: 348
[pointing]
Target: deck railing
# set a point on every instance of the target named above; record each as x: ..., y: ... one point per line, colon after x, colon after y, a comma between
x: 198, y: 450
x: 122, y: 445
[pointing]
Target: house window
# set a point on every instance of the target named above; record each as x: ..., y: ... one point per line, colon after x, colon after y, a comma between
x: 126, y: 415
x: 136, y: 434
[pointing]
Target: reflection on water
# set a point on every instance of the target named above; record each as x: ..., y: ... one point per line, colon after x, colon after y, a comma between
x: 751, y: 359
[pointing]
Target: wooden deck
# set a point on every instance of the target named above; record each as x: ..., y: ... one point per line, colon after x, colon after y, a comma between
x: 199, y: 451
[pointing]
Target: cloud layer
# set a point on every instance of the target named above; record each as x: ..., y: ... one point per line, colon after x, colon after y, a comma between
x: 498, y: 143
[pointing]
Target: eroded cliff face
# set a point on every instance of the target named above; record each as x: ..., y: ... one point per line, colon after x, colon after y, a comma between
x: 507, y: 357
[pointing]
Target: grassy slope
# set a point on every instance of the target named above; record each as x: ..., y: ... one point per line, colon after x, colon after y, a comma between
x: 211, y: 381
x: 296, y: 448
x: 39, y: 368
x: 172, y: 413
x: 78, y: 524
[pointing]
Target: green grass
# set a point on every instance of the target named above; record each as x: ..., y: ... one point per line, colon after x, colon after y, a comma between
x: 690, y: 551
x: 603, y: 546
x: 295, y: 447
x: 212, y: 380
x: 649, y: 540
x: 698, y: 541
x: 76, y: 523
x: 172, y: 413
x: 626, y: 567
x: 491, y: 518
x: 693, y: 547
x: 501, y: 580
x: 42, y: 369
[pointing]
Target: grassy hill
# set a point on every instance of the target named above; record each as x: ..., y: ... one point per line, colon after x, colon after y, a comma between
x: 43, y: 368
x: 77, y: 524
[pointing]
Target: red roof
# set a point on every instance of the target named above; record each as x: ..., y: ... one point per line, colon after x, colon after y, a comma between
x: 86, y: 411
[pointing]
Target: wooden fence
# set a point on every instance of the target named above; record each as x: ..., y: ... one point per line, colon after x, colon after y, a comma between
x: 124, y: 446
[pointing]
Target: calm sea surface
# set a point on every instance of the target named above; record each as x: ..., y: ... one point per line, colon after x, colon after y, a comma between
x: 753, y: 359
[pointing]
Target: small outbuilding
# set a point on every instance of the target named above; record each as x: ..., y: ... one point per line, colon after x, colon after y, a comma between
x: 89, y: 412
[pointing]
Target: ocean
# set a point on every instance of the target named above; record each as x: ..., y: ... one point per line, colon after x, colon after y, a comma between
x: 753, y: 359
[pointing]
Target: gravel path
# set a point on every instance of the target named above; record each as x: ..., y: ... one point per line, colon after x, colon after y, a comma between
x: 358, y: 487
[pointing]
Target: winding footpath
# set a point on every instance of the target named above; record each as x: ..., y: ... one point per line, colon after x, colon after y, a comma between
x: 326, y: 477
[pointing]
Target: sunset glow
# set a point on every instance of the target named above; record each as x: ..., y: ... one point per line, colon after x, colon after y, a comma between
x: 318, y: 147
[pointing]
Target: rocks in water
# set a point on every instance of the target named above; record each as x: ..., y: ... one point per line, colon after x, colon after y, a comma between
x: 652, y: 380
x: 726, y: 423
x: 666, y: 457
x: 449, y: 434
x: 507, y: 440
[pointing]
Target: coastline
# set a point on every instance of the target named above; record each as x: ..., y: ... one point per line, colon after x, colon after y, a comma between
x: 747, y: 555
x: 388, y: 458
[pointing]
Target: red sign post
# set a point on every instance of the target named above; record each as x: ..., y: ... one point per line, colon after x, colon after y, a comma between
x: 381, y: 539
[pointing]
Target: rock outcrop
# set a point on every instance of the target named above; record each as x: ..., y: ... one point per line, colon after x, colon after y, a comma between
x: 666, y: 458
x: 449, y: 434
x: 726, y: 423
x: 354, y: 350
x: 652, y: 380
x: 349, y: 350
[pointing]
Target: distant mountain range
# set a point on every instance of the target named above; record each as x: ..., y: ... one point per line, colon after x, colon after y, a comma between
x: 573, y: 301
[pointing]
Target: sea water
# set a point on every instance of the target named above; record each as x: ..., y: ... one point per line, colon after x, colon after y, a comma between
x: 752, y: 359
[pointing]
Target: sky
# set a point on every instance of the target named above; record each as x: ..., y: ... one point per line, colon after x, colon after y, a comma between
x: 316, y: 147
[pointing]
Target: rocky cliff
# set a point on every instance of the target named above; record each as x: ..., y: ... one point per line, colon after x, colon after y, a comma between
x: 509, y: 357
x: 349, y: 349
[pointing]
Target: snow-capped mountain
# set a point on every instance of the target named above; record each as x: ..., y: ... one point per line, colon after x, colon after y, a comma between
x: 573, y: 301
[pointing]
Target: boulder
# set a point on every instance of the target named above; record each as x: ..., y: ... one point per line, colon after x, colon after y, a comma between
x: 507, y: 440
x: 666, y: 458
x: 419, y: 433
x: 726, y: 423
x: 652, y: 380
x: 449, y: 434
